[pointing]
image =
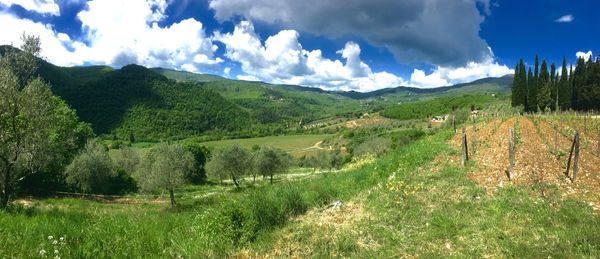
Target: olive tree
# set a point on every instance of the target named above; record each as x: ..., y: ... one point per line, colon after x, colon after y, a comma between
x: 231, y: 162
x: 91, y: 170
x: 127, y: 159
x: 36, y: 127
x: 270, y: 161
x: 165, y: 167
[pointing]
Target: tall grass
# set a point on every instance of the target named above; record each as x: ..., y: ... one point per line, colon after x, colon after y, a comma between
x: 215, y: 227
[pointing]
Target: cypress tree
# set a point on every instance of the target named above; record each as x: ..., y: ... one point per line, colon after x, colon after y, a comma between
x: 523, y: 84
x: 534, y: 86
x: 554, y: 86
x: 579, y: 80
x: 519, y: 86
x: 564, y: 96
x: 515, y: 89
x: 544, y: 94
x: 530, y: 86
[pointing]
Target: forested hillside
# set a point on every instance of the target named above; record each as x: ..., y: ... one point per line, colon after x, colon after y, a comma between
x: 136, y: 101
x: 269, y: 103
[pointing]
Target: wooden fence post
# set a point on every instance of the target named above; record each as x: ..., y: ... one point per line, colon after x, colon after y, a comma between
x: 465, y: 149
x: 574, y: 152
x: 511, y: 153
x: 454, y: 122
x: 474, y: 136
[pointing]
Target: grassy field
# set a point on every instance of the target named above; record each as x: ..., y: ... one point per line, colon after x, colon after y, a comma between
x: 416, y: 201
x: 296, y: 145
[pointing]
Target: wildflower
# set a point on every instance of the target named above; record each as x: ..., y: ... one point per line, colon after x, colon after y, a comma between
x: 50, y: 237
x: 42, y: 252
x: 55, y: 251
x: 55, y: 242
x: 62, y: 238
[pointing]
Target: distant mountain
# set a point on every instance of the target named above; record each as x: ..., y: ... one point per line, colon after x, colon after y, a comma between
x: 160, y: 103
x: 187, y: 76
x: 482, y: 86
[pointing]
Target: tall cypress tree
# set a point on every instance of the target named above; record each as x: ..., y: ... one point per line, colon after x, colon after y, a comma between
x: 530, y: 85
x: 533, y: 86
x: 564, y: 96
x: 516, y: 87
x: 519, y: 87
x: 544, y: 94
x: 579, y: 80
x: 554, y: 86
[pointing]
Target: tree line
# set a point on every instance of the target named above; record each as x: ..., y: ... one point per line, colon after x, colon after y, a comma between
x: 544, y: 88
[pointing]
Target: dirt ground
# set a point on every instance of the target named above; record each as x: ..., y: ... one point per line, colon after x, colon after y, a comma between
x: 536, y: 159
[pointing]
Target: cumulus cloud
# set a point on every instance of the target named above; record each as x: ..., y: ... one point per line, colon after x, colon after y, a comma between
x: 282, y: 59
x: 584, y: 55
x: 118, y: 33
x: 438, y: 32
x: 38, y: 6
x: 565, y: 19
x: 445, y: 76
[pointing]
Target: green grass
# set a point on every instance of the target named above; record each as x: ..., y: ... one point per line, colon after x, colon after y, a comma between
x: 296, y: 145
x: 449, y: 216
x: 433, y: 211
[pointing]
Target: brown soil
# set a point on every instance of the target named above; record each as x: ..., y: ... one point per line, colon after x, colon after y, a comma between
x: 536, y: 160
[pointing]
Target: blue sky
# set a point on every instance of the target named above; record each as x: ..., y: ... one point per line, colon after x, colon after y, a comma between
x: 336, y: 45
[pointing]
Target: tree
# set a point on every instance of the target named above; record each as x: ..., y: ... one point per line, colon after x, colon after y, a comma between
x: 544, y: 95
x: 201, y: 154
x: 37, y: 129
x: 554, y: 86
x: 270, y: 161
x: 519, y: 87
x: 533, y: 86
x: 91, y: 170
x: 165, y: 167
x: 564, y: 93
x: 233, y: 162
x: 127, y: 159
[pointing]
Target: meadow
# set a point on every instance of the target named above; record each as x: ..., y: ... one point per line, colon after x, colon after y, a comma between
x: 414, y: 201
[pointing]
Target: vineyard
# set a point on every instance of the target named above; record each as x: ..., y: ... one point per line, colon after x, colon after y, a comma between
x: 544, y: 154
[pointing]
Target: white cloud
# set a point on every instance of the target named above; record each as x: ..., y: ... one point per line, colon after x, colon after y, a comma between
x: 118, y: 33
x: 281, y: 59
x: 438, y: 32
x: 565, y: 19
x: 227, y: 72
x: 445, y: 76
x: 39, y: 6
x: 53, y: 43
x: 585, y: 55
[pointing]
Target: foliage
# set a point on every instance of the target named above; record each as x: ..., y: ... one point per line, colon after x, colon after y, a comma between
x: 91, y: 170
x: 127, y: 160
x: 373, y: 146
x: 577, y: 89
x: 165, y: 167
x: 38, y: 131
x: 269, y: 161
x: 201, y: 154
x: 438, y: 106
x: 233, y: 162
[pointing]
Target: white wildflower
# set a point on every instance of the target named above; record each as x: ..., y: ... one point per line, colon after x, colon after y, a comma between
x: 42, y: 252
x: 55, y: 251
x: 55, y: 242
x: 50, y: 237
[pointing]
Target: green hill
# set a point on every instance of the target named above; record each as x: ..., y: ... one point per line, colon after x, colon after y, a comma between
x: 269, y: 103
x: 135, y: 100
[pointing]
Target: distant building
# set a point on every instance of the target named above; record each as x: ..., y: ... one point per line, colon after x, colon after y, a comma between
x: 440, y: 119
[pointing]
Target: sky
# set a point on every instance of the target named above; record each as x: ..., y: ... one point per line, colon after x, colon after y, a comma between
x: 334, y: 45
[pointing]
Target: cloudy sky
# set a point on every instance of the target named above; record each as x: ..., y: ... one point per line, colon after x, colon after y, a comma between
x: 335, y: 44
